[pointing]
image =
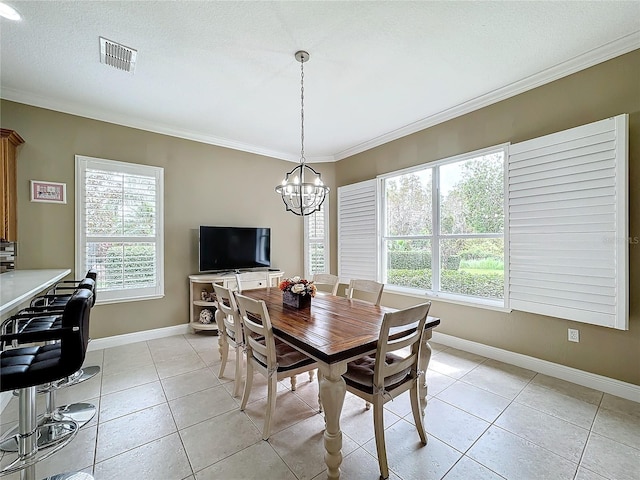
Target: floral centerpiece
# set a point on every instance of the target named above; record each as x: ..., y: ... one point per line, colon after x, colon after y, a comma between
x: 297, y: 292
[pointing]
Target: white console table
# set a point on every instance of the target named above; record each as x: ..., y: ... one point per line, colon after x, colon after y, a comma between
x: 200, y: 282
x: 17, y: 287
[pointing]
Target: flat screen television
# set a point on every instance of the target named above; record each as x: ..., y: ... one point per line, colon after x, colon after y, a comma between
x: 234, y: 248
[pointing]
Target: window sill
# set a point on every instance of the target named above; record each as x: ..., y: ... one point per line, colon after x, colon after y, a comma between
x: 108, y: 301
x: 450, y: 298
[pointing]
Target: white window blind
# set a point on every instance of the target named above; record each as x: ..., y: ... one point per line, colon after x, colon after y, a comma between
x: 119, y: 227
x: 358, y: 231
x: 568, y: 224
x: 316, y: 231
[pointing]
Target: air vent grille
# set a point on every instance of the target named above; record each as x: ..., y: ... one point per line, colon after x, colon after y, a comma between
x: 117, y: 55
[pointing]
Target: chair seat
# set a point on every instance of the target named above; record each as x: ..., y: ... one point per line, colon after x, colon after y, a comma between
x: 40, y: 323
x: 288, y: 357
x: 28, y: 366
x: 359, y: 373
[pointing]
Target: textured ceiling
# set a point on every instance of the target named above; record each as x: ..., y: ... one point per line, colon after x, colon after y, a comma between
x: 224, y: 72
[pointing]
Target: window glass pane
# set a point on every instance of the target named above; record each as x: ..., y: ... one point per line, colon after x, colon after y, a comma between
x: 123, y: 265
x: 409, y: 263
x: 471, y: 195
x: 408, y: 204
x: 473, y: 266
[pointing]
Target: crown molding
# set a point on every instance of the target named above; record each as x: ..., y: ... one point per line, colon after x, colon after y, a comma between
x: 593, y: 57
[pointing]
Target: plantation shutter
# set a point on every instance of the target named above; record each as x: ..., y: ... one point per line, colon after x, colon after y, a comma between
x: 358, y: 231
x: 568, y: 224
x: 316, y: 230
x: 119, y: 227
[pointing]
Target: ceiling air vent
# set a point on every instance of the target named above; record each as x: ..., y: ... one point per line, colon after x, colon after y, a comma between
x: 118, y: 56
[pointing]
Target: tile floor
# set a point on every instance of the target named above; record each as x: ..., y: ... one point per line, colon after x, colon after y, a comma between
x: 165, y: 414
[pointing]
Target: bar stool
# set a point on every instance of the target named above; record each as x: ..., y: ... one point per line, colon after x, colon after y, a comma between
x: 52, y: 422
x: 24, y: 368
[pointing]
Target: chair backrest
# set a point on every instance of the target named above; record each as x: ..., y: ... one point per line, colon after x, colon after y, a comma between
x: 228, y: 315
x: 252, y: 280
x: 76, y: 316
x: 374, y: 289
x: 331, y: 281
x: 410, y: 339
x: 258, y: 332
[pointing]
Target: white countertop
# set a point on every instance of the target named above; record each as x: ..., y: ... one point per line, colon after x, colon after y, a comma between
x: 18, y: 286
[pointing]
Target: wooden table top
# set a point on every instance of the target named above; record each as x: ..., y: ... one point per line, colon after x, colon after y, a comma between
x: 333, y: 329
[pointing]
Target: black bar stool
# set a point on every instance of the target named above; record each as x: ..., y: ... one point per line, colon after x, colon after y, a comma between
x: 24, y: 368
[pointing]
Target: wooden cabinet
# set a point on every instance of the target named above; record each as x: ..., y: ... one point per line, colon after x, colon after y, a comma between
x: 9, y: 143
x: 204, y: 282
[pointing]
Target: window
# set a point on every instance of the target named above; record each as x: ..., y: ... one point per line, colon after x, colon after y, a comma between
x: 119, y: 227
x: 443, y: 228
x: 316, y: 232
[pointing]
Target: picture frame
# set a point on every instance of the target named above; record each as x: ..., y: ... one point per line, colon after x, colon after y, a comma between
x: 48, y: 192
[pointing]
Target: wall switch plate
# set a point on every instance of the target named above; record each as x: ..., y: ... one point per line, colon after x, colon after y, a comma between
x: 574, y: 335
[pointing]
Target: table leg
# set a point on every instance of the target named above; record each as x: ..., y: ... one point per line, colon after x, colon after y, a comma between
x: 332, y: 393
x: 423, y: 365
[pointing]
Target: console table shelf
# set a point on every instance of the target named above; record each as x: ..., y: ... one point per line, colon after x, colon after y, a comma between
x: 200, y: 282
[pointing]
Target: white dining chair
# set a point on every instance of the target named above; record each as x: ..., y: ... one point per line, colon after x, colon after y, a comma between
x: 392, y: 371
x: 328, y: 281
x: 230, y: 332
x: 371, y: 289
x: 274, y: 360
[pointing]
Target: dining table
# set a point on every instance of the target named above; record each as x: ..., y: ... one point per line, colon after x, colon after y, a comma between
x: 335, y: 330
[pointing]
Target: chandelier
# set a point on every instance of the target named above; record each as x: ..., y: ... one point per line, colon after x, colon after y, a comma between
x: 302, y: 189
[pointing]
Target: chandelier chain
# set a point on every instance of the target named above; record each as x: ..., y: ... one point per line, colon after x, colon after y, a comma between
x: 302, y: 159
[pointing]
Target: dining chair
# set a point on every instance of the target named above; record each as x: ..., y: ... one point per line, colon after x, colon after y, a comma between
x: 230, y: 332
x: 328, y: 280
x: 370, y: 288
x: 378, y: 381
x: 274, y: 360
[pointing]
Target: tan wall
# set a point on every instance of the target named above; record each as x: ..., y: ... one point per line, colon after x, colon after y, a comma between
x: 204, y: 185
x: 602, y: 91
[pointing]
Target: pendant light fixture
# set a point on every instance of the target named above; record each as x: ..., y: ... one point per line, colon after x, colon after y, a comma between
x: 302, y: 189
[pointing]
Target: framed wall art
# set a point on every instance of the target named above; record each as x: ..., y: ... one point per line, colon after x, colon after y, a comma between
x: 49, y: 192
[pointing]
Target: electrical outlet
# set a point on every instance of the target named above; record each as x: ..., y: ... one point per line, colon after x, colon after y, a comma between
x: 574, y: 335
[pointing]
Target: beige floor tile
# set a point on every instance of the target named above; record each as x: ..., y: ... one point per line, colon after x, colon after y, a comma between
x: 358, y: 422
x: 453, y: 426
x: 474, y: 400
x: 131, y: 431
x: 124, y: 402
x: 259, y: 457
x: 455, y: 363
x: 568, y: 389
x: 584, y: 474
x: 188, y: 383
x: 200, y: 406
x: 499, y: 378
x: 611, y: 459
x: 125, y: 357
x: 558, y: 404
x: 179, y: 364
x: 622, y: 405
x: 93, y: 357
x: 80, y: 392
x: 212, y: 440
x: 467, y: 469
x: 359, y: 465
x: 164, y: 349
x: 301, y: 446
x: 164, y: 459
x: 411, y: 460
x: 202, y: 341
x: 621, y: 427
x: 134, y: 377
x: 77, y: 456
x: 289, y: 411
x: 437, y: 382
x: 547, y: 431
x: 515, y: 458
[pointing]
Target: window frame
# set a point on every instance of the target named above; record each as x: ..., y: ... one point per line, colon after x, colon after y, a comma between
x: 436, y: 236
x: 84, y: 163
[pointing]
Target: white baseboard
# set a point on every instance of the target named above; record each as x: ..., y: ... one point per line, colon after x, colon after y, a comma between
x: 117, y: 340
x: 573, y: 375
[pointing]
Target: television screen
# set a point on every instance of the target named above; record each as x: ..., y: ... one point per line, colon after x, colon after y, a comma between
x: 233, y: 248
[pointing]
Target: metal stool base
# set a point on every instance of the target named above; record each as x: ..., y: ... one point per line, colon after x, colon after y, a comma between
x: 50, y: 433
x: 70, y: 476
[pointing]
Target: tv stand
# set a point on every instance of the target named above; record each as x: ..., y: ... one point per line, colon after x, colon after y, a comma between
x: 205, y: 281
